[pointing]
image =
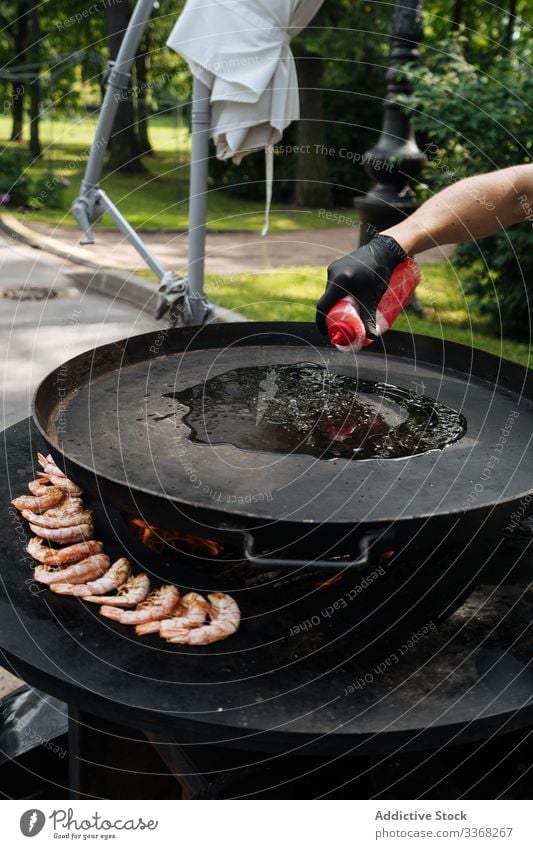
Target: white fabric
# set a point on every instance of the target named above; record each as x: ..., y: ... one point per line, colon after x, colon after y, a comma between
x: 240, y: 49
x: 269, y: 179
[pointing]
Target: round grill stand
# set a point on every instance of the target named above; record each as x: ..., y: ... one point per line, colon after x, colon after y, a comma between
x: 269, y: 691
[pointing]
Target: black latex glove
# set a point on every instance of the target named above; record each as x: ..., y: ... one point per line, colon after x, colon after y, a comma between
x: 365, y: 274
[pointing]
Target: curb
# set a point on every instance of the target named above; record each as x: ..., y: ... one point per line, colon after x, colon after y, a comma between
x: 127, y: 288
x: 138, y: 292
x: 116, y: 283
x: 20, y: 232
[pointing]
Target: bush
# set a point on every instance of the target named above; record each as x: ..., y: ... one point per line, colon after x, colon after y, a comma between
x: 498, y: 274
x: 471, y: 121
x: 15, y: 187
x: 48, y: 191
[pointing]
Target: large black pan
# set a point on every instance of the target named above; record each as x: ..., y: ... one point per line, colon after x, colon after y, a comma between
x: 103, y: 414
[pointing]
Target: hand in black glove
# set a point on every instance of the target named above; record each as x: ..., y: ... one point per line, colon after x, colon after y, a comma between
x: 365, y: 274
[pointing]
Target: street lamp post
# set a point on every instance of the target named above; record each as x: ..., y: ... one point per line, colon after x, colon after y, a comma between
x: 396, y: 160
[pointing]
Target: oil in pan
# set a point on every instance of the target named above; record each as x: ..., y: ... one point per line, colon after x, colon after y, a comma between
x: 307, y: 409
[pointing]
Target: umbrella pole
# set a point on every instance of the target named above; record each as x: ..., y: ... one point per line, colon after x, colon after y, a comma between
x: 200, y: 127
x: 87, y: 208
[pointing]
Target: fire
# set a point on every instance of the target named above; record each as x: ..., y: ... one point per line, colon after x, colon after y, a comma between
x: 158, y: 538
x: 328, y: 582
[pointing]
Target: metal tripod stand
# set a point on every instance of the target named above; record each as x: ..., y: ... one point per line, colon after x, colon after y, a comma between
x: 182, y: 297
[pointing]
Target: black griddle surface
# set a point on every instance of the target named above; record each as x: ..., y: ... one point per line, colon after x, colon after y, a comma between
x: 113, y: 418
x: 265, y: 688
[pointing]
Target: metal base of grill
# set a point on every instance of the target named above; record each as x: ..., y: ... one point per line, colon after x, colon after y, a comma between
x: 276, y: 687
x: 173, y: 770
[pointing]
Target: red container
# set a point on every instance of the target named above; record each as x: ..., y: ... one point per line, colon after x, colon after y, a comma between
x: 343, y: 322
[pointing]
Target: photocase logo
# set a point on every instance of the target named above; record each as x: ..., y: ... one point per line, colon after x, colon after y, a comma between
x: 32, y: 822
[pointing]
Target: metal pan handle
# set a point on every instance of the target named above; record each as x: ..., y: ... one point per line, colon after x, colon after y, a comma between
x: 360, y: 562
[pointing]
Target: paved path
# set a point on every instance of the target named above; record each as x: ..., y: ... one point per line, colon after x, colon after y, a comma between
x: 227, y: 253
x: 39, y: 335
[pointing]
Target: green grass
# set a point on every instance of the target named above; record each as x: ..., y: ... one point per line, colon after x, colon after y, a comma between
x: 157, y: 199
x: 290, y: 294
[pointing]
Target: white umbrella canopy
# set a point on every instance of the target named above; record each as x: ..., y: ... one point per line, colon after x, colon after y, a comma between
x: 240, y: 50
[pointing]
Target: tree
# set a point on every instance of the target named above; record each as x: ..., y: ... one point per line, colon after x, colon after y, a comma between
x: 457, y: 14
x: 511, y: 24
x: 353, y: 41
x: 19, y: 30
x: 142, y: 63
x: 312, y: 186
x: 124, y: 148
x: 35, y: 84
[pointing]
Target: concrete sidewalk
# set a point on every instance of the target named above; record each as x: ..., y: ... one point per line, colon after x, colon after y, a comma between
x: 38, y: 335
x: 226, y: 253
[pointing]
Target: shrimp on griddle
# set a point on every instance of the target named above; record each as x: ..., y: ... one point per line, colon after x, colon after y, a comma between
x: 62, y: 556
x: 44, y: 520
x: 225, y: 619
x: 110, y: 580
x: 39, y: 487
x: 76, y: 573
x: 39, y: 503
x: 190, y: 613
x: 158, y: 605
x: 55, y: 475
x: 62, y: 482
x: 73, y: 533
x: 69, y: 507
x: 49, y: 465
x: 134, y: 591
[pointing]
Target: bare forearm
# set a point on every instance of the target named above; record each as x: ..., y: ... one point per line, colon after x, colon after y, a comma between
x: 468, y: 210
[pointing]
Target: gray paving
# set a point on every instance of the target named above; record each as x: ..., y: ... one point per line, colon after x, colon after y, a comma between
x: 227, y: 252
x: 36, y: 336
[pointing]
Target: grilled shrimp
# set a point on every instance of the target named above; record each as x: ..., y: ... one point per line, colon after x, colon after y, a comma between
x: 44, y: 520
x: 131, y: 593
x: 70, y: 506
x: 225, y: 619
x: 78, y: 573
x: 39, y: 487
x: 56, y: 476
x: 48, y: 465
x: 39, y: 503
x: 62, y: 482
x: 158, y: 605
x: 62, y: 556
x: 111, y: 580
x: 74, y: 533
x: 191, y: 613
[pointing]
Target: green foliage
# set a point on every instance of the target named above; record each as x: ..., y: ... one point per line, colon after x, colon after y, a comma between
x: 18, y: 190
x: 48, y: 192
x: 15, y: 187
x: 354, y: 40
x: 471, y: 121
x: 290, y: 294
x: 474, y: 120
x: 498, y: 274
